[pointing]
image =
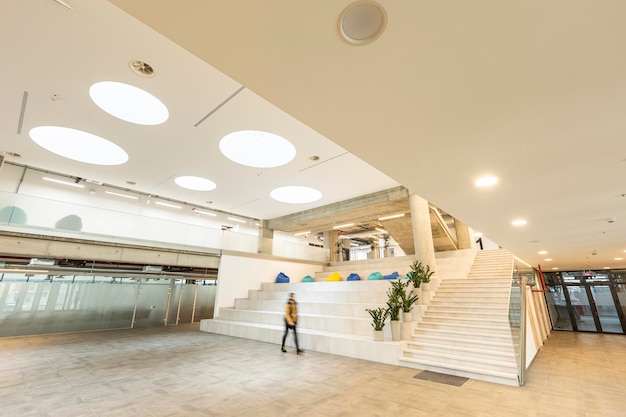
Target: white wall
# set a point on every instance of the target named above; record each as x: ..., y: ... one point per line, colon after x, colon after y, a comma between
x: 238, y: 274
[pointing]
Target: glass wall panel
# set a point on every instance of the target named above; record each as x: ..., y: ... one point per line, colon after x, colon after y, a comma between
x: 582, y: 309
x: 557, y: 308
x: 205, y: 302
x: 152, y: 303
x: 605, y: 306
x: 51, y: 307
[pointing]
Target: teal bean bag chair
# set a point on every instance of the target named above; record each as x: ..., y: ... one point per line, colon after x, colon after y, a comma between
x: 308, y: 278
x: 374, y: 276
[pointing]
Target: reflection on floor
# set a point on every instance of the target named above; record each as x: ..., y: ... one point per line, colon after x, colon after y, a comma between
x: 179, y: 371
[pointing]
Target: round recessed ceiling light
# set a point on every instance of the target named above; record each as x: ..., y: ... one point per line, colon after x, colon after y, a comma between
x: 519, y: 222
x: 128, y: 103
x: 485, y: 181
x: 257, y: 149
x: 78, y: 145
x: 295, y: 194
x: 542, y: 252
x: 195, y: 183
x: 362, y: 22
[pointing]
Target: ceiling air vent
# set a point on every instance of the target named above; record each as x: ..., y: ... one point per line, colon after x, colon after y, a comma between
x: 142, y: 68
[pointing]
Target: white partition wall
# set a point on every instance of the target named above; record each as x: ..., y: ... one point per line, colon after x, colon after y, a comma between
x: 238, y: 274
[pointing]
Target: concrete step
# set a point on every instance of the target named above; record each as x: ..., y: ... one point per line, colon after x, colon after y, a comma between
x: 455, y: 359
x: 374, y: 297
x: 328, y: 308
x: 341, y: 325
x: 454, y: 339
x: 482, y: 352
x: 463, y: 370
x: 476, y: 335
x: 355, y: 346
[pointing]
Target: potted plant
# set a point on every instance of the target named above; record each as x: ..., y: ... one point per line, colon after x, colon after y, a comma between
x: 374, y: 247
x: 339, y: 251
x: 379, y: 315
x: 394, y: 305
x: 407, y: 299
x: 386, y: 244
x: 418, y: 275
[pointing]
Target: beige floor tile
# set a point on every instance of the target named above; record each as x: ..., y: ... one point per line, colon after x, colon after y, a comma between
x: 179, y: 371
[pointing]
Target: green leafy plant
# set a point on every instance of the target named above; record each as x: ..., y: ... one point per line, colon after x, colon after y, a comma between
x: 379, y: 315
x: 419, y: 274
x: 407, y: 300
x: 394, y: 300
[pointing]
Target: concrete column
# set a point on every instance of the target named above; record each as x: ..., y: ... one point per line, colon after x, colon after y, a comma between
x: 266, y: 238
x: 422, y: 231
x: 463, y: 237
x: 333, y: 238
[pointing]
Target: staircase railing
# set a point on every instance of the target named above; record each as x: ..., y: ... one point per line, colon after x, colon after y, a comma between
x: 523, y: 275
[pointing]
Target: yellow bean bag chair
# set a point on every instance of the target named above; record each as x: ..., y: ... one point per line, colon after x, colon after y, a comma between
x: 334, y: 277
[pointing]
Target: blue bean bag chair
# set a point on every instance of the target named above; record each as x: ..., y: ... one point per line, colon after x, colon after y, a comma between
x: 374, y: 276
x: 308, y: 278
x: 353, y: 277
x: 281, y: 278
x: 393, y: 275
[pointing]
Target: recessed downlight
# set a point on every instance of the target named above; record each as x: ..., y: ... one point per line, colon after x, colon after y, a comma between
x: 542, y: 252
x: 254, y: 148
x: 362, y: 22
x: 128, y: 103
x: 519, y: 222
x: 485, y: 181
x: 78, y: 145
x: 195, y: 183
x: 295, y: 194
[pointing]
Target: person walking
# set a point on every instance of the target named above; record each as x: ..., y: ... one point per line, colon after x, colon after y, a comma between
x: 291, y: 320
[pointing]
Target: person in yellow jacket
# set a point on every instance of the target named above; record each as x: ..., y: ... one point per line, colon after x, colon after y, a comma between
x: 291, y: 320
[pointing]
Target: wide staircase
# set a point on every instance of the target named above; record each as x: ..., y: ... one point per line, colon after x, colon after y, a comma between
x: 465, y: 330
x: 461, y: 324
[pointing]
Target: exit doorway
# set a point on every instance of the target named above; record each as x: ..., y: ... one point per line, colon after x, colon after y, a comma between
x: 587, y: 301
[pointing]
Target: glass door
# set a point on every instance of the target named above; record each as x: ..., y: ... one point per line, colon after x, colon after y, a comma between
x: 606, y: 308
x: 583, y: 317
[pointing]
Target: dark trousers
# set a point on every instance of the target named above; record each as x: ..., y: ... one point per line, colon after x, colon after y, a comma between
x: 295, y: 334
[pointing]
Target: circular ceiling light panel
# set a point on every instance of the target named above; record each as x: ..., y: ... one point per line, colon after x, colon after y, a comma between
x: 362, y: 22
x: 486, y: 181
x: 257, y: 149
x: 128, y: 103
x: 78, y: 145
x: 295, y: 194
x: 195, y: 183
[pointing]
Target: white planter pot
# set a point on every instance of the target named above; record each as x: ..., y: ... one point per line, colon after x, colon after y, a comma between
x: 425, y: 286
x: 406, y: 331
x: 395, y: 330
x: 379, y: 336
x: 407, y: 317
x: 418, y: 292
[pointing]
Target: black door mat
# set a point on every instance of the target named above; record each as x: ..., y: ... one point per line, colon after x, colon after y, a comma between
x: 456, y: 381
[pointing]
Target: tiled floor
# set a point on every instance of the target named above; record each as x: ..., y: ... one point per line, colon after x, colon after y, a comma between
x: 179, y: 371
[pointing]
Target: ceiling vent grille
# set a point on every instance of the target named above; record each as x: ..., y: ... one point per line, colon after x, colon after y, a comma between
x: 142, y: 68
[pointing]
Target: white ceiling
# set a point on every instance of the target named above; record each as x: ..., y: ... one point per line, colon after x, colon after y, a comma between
x: 532, y: 92
x: 50, y: 50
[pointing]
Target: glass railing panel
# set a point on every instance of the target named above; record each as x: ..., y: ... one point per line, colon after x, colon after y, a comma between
x: 56, y: 218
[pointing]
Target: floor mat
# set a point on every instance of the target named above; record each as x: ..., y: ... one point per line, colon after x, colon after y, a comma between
x: 457, y: 381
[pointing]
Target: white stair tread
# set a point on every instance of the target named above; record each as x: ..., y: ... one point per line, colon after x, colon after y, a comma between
x: 463, y: 358
x: 480, y: 371
x: 495, y: 353
x: 456, y: 339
